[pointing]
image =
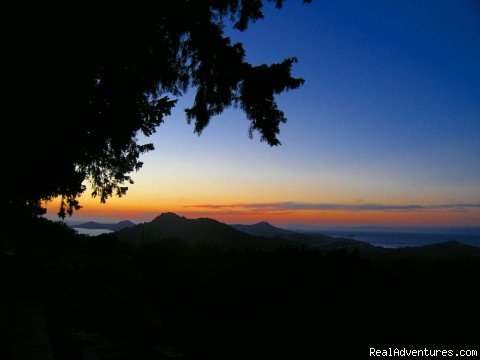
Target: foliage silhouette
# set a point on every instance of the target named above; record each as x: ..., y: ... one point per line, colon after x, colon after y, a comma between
x: 85, y: 82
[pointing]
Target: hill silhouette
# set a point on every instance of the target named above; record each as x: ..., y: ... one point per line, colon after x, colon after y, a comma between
x: 263, y: 228
x: 314, y: 240
x: 445, y: 252
x: 170, y: 225
x: 109, y: 226
x: 264, y: 236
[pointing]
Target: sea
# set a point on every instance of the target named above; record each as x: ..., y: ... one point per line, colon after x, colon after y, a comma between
x: 390, y: 239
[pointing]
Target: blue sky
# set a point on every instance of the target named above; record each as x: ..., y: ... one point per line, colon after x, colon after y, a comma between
x: 389, y: 115
x: 393, y: 83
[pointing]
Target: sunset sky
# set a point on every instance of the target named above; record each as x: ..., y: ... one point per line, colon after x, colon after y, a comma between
x: 385, y: 130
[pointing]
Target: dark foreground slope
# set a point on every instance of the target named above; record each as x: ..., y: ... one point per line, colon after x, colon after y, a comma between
x: 207, y: 301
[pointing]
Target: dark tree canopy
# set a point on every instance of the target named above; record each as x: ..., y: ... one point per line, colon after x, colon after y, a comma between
x: 85, y: 80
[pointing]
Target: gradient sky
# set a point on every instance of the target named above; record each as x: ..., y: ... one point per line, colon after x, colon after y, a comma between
x: 385, y: 130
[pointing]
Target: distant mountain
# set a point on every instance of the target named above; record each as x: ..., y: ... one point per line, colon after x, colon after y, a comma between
x: 317, y: 240
x: 113, y: 227
x: 261, y: 236
x: 170, y: 225
x: 264, y: 236
x: 263, y: 229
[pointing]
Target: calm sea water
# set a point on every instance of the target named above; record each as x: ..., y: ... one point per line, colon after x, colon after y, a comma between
x: 93, y: 232
x: 404, y: 239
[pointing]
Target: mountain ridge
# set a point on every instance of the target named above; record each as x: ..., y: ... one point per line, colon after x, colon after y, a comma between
x: 259, y: 236
x: 108, y: 226
x: 266, y: 229
x: 170, y: 225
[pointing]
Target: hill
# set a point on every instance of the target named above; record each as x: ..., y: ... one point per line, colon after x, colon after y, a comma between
x: 109, y: 226
x: 260, y: 236
x: 170, y: 225
x: 445, y: 252
x: 265, y: 236
x: 266, y: 229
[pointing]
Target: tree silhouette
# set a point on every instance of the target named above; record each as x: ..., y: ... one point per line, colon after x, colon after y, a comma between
x: 86, y: 80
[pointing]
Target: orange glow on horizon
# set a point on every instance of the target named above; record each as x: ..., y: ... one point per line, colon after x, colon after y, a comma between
x: 118, y: 209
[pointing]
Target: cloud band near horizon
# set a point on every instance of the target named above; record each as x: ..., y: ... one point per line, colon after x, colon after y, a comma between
x: 292, y: 206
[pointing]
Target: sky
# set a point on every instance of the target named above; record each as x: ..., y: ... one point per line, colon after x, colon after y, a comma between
x: 385, y: 131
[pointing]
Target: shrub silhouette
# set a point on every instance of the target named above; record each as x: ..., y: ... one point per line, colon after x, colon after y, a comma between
x: 85, y: 81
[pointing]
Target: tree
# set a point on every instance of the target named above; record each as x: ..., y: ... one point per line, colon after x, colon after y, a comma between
x: 86, y: 81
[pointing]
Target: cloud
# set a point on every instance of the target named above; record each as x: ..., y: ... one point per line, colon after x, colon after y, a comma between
x: 226, y: 212
x: 293, y: 206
